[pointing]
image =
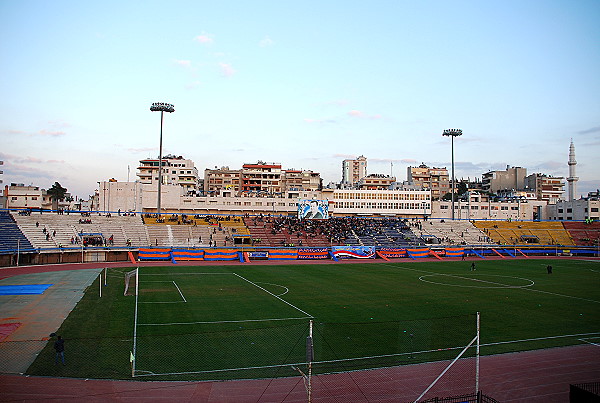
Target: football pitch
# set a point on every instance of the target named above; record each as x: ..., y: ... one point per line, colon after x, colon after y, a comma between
x: 227, y: 322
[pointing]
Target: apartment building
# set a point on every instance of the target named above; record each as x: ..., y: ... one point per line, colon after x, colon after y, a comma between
x: 261, y: 178
x: 354, y: 170
x: 375, y: 182
x: 434, y: 179
x: 546, y: 187
x: 223, y: 181
x: 176, y: 170
x: 511, y: 178
x: 301, y: 180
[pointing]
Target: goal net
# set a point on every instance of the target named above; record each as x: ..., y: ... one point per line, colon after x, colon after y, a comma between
x: 130, y: 282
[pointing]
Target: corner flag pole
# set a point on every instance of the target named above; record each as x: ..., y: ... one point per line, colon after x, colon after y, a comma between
x: 477, y: 355
x: 134, y: 352
x: 310, y: 356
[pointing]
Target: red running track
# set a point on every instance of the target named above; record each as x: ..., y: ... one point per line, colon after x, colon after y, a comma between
x: 536, y: 376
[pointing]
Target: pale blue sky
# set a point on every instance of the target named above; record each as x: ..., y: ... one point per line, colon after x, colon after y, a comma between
x: 306, y: 84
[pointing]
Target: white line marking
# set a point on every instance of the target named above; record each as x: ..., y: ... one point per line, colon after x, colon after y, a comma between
x: 589, y: 342
x: 527, y: 289
x: 179, y: 274
x: 537, y: 338
x: 179, y: 291
x: 277, y: 285
x: 362, y: 358
x: 270, y: 293
x: 500, y: 285
x: 221, y: 321
x: 150, y: 373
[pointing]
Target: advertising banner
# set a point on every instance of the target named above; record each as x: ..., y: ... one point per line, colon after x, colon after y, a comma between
x: 258, y: 255
x: 360, y: 252
x: 313, y: 253
x: 283, y: 254
x: 393, y: 252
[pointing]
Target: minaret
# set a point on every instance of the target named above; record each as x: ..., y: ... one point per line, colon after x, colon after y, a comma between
x: 572, y: 179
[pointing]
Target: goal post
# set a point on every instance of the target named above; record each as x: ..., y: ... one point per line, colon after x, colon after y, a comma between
x: 131, y: 280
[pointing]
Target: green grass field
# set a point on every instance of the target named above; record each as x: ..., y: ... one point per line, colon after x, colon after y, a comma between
x: 195, y: 322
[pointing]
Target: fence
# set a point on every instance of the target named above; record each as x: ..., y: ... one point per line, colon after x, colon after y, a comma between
x: 585, y: 392
x: 399, y: 359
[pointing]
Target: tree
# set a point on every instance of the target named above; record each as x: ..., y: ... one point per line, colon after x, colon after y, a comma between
x: 56, y: 193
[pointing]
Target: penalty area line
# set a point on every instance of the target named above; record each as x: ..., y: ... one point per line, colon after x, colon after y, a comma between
x: 182, y: 297
x: 276, y: 296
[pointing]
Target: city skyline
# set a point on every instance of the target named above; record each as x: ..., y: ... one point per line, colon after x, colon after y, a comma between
x: 305, y: 85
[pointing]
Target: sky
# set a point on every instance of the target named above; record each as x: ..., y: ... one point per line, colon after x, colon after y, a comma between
x: 304, y: 84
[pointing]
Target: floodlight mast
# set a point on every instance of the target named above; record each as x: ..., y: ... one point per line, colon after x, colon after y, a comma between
x: 160, y: 107
x: 452, y: 133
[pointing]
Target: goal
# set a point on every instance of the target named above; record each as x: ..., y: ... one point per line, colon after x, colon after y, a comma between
x: 130, y: 282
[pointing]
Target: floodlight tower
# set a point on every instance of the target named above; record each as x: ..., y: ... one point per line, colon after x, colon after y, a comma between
x: 452, y: 133
x: 160, y: 107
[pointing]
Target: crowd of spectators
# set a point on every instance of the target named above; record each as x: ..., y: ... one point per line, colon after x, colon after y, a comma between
x: 336, y: 230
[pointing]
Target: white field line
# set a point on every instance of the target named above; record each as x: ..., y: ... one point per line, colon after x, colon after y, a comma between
x: 278, y: 285
x: 182, y: 297
x: 500, y: 285
x: 270, y: 293
x: 589, y: 342
x: 537, y: 339
x: 164, y: 302
x: 180, y: 274
x: 150, y: 373
x: 522, y: 288
x: 221, y: 321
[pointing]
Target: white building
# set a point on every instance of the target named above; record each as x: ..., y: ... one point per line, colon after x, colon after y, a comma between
x: 576, y: 210
x: 136, y: 196
x: 398, y: 203
x: 477, y: 206
x: 176, y: 171
x: 354, y: 170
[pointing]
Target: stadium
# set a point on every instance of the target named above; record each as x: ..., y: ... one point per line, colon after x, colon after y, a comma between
x: 238, y: 245
x: 298, y: 309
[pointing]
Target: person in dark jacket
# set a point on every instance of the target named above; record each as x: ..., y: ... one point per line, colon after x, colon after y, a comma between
x: 59, y: 346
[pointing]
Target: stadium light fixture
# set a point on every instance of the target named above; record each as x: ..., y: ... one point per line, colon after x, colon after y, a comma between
x: 452, y: 133
x: 162, y: 108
